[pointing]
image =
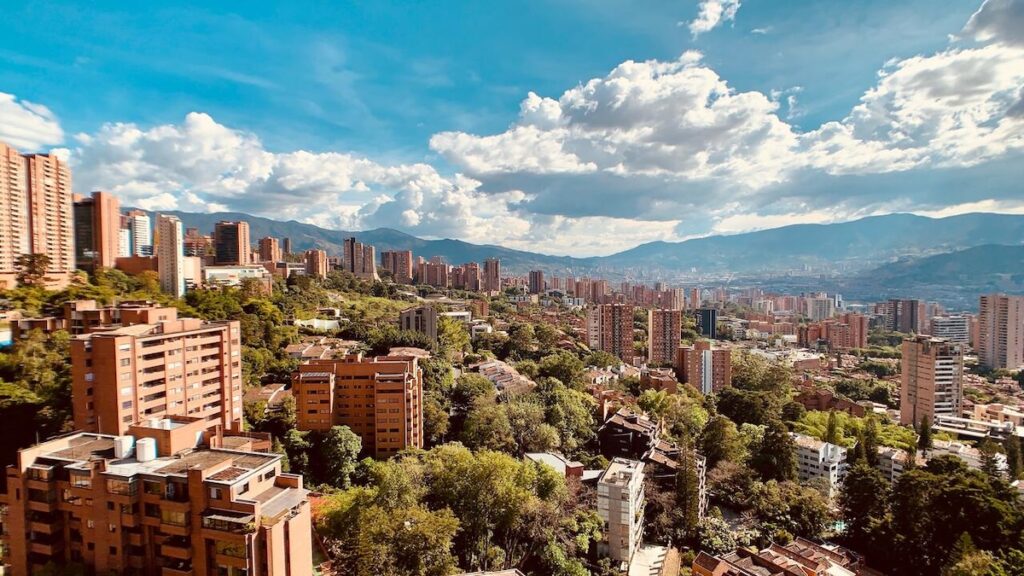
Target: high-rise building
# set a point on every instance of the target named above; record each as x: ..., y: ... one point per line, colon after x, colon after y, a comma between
x: 36, y: 214
x: 97, y: 231
x: 1001, y: 331
x: 435, y: 273
x: 536, y: 281
x: 664, y: 328
x: 380, y: 399
x: 707, y: 322
x: 270, y: 251
x: 316, y: 263
x: 399, y: 263
x: 907, y: 316
x: 610, y: 328
x: 360, y: 259
x: 231, y: 243
x: 197, y: 244
x: 142, y: 233
x: 706, y: 369
x: 955, y: 328
x: 168, y: 366
x: 171, y: 255
x: 286, y: 246
x: 492, y: 275
x: 422, y: 319
x: 124, y: 242
x: 620, y: 504
x: 168, y: 498
x: 931, y: 375
x: 695, y: 301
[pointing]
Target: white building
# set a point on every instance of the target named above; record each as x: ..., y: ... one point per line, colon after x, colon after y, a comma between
x: 818, y: 459
x: 953, y: 328
x: 124, y: 242
x: 620, y: 504
x: 171, y: 255
x: 142, y: 235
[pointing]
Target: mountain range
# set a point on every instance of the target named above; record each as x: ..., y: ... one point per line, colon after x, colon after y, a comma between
x: 846, y: 248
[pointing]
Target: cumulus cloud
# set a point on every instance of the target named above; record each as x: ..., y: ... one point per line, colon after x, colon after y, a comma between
x: 652, y: 150
x: 26, y: 125
x: 711, y: 13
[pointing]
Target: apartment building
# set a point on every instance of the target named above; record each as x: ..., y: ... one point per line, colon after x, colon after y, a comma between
x: 955, y: 328
x: 664, y: 328
x: 170, y: 497
x: 171, y: 255
x: 705, y: 368
x: 931, y: 375
x: 141, y: 228
x: 536, y: 281
x: 231, y: 245
x: 380, y: 399
x: 36, y: 213
x: 269, y: 249
x: 85, y: 316
x: 1001, y: 331
x: 610, y: 328
x: 316, y: 263
x: 360, y: 259
x: 399, y: 263
x: 492, y: 275
x: 707, y: 322
x: 97, y: 228
x: 800, y: 557
x: 422, y: 319
x: 620, y: 504
x: 820, y: 460
x: 171, y: 367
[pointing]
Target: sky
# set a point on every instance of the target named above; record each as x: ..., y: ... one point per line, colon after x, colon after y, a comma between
x: 563, y: 127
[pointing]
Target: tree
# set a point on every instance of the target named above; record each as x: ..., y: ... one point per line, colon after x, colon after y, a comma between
x: 687, y: 507
x: 863, y: 503
x: 31, y: 269
x: 565, y: 367
x: 924, y: 439
x: 601, y: 359
x: 832, y: 430
x: 1014, y: 463
x: 297, y: 445
x: 871, y: 441
x: 714, y: 536
x: 412, y: 541
x: 340, y: 449
x: 721, y: 441
x: 452, y: 337
x: 776, y: 457
x: 435, y: 420
x: 989, y: 463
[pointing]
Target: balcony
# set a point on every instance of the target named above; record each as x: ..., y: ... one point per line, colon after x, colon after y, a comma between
x: 229, y: 521
x: 177, y: 569
x: 176, y: 547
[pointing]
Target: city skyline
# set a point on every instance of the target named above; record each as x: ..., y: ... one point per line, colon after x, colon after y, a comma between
x: 668, y: 134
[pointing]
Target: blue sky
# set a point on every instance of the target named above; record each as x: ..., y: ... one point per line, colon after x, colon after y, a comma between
x: 367, y: 88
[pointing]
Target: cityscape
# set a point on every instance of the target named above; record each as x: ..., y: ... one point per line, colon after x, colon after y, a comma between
x: 219, y: 358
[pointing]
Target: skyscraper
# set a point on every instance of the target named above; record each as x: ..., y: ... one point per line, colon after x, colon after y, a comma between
x: 610, y: 328
x: 706, y: 369
x: 707, y: 322
x: 664, y: 327
x: 399, y: 263
x: 231, y: 243
x: 536, y: 281
x: 316, y: 263
x: 97, y: 231
x: 931, y: 375
x: 1001, y: 331
x: 270, y: 251
x: 286, y: 246
x: 171, y: 255
x: 492, y: 275
x: 142, y: 233
x: 36, y: 214
x: 905, y: 316
x: 360, y: 259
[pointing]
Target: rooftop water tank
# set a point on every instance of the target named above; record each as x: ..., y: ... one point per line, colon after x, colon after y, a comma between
x: 124, y: 446
x: 145, y: 450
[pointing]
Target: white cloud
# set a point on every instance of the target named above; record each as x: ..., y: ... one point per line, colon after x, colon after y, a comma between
x: 26, y: 125
x: 999, y: 21
x: 711, y: 13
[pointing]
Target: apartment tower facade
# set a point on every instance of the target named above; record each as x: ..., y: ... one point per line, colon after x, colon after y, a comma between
x: 610, y: 328
x: 231, y: 243
x: 399, y: 263
x: 316, y: 263
x: 171, y: 255
x: 97, y: 231
x: 664, y: 328
x: 1001, y: 331
x: 165, y: 367
x: 380, y: 399
x: 270, y: 249
x: 705, y: 368
x: 932, y: 377
x: 36, y: 213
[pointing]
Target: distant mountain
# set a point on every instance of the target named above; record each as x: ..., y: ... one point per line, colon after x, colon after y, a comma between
x: 846, y: 248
